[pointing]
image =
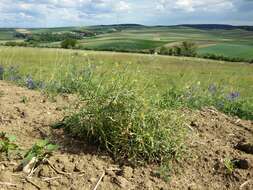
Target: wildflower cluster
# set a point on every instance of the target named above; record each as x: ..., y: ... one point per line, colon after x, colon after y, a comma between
x: 197, y: 97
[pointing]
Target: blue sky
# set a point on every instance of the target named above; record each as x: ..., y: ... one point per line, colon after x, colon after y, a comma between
x: 52, y: 13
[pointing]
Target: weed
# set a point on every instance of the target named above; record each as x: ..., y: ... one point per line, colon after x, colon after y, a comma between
x: 229, y: 165
x: 39, y: 150
x: 163, y: 172
x: 24, y: 100
x: 7, y: 143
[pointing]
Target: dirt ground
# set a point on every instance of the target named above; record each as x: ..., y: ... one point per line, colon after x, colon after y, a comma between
x: 213, y: 137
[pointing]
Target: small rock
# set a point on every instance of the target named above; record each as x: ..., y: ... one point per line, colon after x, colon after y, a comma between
x: 6, y: 176
x: 45, y: 172
x: 194, y: 186
x: 68, y: 167
x: 92, y: 180
x: 127, y: 172
x: 110, y: 173
x: 148, y: 184
x: 122, y: 182
x: 245, y: 147
x: 54, y: 183
x: 242, y: 164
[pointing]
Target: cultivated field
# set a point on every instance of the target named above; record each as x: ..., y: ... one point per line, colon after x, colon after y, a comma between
x: 231, y: 43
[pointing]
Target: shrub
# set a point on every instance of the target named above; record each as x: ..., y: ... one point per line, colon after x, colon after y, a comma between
x: 224, y: 58
x: 188, y: 49
x: 22, y: 44
x: 120, y: 121
x: 69, y: 43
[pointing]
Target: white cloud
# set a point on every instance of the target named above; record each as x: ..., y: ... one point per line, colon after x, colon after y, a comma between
x: 122, y: 6
x: 195, y: 5
x: 90, y: 12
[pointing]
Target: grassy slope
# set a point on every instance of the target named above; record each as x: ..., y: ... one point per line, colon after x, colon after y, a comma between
x: 161, y: 71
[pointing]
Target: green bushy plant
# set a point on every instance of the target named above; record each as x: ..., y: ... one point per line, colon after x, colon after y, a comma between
x: 119, y: 120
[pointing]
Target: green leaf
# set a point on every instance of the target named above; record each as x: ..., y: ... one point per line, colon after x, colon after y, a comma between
x: 42, y: 143
x: 52, y: 147
x: 11, y: 138
x: 12, y: 146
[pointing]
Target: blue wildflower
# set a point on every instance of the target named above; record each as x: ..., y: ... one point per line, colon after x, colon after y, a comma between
x: 233, y: 96
x: 30, y: 83
x: 1, y: 72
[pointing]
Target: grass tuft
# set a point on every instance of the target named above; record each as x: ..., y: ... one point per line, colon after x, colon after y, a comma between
x: 121, y: 121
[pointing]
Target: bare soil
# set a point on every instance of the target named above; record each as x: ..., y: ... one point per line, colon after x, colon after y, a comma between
x: 213, y: 137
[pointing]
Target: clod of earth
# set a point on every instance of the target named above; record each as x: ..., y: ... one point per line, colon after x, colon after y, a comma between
x: 242, y: 164
x: 245, y: 147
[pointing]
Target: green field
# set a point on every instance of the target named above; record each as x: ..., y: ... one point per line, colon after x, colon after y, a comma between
x: 6, y: 34
x: 229, y: 50
x: 231, y: 43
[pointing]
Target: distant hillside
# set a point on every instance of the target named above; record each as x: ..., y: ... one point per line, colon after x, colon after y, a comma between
x: 217, y: 26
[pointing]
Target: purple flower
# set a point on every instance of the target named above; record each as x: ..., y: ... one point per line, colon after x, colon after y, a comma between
x: 30, y: 83
x: 1, y: 72
x: 233, y: 96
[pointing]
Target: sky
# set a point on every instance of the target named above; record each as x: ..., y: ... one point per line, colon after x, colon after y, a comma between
x: 57, y: 13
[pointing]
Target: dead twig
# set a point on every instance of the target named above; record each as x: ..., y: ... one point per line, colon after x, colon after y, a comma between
x: 8, y: 184
x: 50, y: 179
x: 31, y: 182
x: 189, y: 127
x: 56, y: 170
x: 244, y: 184
x: 32, y: 171
x: 99, y: 181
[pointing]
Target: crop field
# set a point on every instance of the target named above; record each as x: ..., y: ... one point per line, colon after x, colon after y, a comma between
x: 229, y: 50
x: 6, y: 34
x: 231, y: 43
